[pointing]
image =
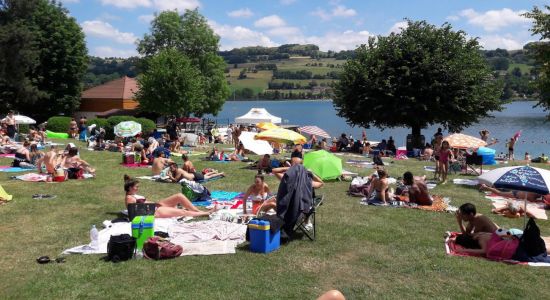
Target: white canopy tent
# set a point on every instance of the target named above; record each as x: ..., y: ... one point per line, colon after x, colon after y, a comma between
x: 257, y: 115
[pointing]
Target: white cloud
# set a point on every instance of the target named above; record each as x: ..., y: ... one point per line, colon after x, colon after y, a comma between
x: 127, y: 3
x: 270, y: 21
x: 453, y: 18
x: 146, y: 18
x: 239, y: 36
x: 342, y: 11
x: 105, y: 30
x: 287, y: 2
x: 284, y: 31
x: 70, y: 1
x: 335, y: 41
x: 159, y: 5
x: 337, y: 11
x: 106, y: 51
x: 490, y: 42
x: 241, y: 13
x: 180, y: 5
x: 398, y: 27
x: 493, y: 20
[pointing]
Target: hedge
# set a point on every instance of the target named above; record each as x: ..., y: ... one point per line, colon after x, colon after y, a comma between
x: 147, y: 126
x: 58, y: 124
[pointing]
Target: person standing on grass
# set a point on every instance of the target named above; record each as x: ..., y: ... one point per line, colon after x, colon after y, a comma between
x: 445, y: 154
x: 436, y: 150
x: 10, y: 122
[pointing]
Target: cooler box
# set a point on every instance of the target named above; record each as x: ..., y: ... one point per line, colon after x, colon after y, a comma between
x: 142, y: 229
x: 261, y: 238
x: 401, y: 151
x: 128, y: 158
x: 488, y: 155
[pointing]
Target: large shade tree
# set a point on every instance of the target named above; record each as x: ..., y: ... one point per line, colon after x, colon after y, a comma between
x: 190, y: 35
x: 43, y: 58
x: 421, y: 76
x: 541, y: 52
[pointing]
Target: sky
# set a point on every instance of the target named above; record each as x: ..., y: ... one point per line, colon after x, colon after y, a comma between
x: 112, y: 27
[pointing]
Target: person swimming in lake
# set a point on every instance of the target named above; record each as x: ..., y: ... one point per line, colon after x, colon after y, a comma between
x: 167, y: 207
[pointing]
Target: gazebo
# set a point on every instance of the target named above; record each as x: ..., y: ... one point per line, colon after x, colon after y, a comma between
x: 257, y: 115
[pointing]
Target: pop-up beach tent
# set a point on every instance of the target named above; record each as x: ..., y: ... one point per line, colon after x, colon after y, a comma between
x: 257, y: 115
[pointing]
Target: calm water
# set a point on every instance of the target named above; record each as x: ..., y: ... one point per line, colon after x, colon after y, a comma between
x: 516, y: 116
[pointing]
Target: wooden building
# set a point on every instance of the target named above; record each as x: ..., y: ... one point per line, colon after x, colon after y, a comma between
x: 110, y: 98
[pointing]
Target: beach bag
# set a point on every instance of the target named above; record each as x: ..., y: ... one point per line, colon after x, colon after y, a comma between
x: 501, y: 249
x: 531, y: 241
x: 377, y: 160
x: 120, y: 247
x: 158, y: 248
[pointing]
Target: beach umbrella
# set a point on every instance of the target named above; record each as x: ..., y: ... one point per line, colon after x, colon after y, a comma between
x: 20, y: 119
x: 127, y: 129
x: 519, y: 178
x: 314, y: 130
x: 324, y: 164
x: 257, y: 146
x: 463, y: 141
x: 266, y: 125
x: 281, y: 135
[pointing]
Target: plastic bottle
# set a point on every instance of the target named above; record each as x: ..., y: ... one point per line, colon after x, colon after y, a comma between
x: 94, y: 237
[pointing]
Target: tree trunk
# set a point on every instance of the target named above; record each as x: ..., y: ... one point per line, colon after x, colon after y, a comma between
x: 415, y: 140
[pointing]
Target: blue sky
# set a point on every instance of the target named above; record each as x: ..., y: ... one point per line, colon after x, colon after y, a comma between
x: 112, y: 27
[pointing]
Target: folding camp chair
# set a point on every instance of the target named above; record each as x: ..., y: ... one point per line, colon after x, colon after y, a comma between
x: 473, y: 160
x: 301, y: 224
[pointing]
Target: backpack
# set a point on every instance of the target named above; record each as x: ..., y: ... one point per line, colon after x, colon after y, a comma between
x: 531, y: 241
x: 157, y: 248
x: 120, y: 247
x: 377, y: 160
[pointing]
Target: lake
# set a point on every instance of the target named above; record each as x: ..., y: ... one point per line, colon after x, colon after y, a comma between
x: 515, y: 116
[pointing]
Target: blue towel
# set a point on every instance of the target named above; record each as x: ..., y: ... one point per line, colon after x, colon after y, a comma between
x: 223, y: 195
x: 15, y: 169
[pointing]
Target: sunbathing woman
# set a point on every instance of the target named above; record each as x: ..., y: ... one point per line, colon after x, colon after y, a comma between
x: 166, y: 208
x: 378, y: 188
x: 512, y: 194
x: 238, y: 155
x: 23, y: 157
x: 176, y: 174
x: 259, y: 191
x: 73, y: 163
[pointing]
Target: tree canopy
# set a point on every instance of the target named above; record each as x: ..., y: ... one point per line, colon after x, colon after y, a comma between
x: 421, y: 76
x: 169, y: 85
x: 541, y: 52
x: 43, y: 57
x: 191, y: 35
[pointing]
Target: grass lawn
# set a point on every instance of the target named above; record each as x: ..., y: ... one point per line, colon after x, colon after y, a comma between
x: 523, y: 67
x: 366, y: 252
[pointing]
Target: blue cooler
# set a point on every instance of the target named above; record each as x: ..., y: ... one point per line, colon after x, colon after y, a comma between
x: 261, y: 238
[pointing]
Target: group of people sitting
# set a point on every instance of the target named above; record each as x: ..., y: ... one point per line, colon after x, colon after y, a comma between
x: 414, y: 189
x: 28, y: 156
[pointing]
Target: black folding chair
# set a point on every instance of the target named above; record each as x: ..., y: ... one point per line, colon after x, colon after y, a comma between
x: 301, y: 224
x: 472, y: 161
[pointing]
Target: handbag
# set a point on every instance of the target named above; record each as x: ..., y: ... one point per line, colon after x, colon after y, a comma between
x: 121, y: 247
x: 157, y: 248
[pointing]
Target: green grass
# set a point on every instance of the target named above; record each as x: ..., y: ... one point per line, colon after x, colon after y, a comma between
x: 523, y: 67
x: 366, y: 252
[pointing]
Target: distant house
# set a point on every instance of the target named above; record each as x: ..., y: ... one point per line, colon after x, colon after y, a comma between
x: 115, y: 97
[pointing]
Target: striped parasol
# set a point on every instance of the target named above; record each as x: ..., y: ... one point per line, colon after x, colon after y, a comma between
x: 462, y: 141
x: 314, y: 130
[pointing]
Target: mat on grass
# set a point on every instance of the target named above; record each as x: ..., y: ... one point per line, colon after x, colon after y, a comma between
x: 8, y: 169
x: 220, y: 198
x: 8, y: 155
x: 534, y: 209
x: 440, y: 204
x: 462, y: 181
x: 136, y: 165
x: 451, y: 248
x: 35, y: 177
x: 158, y: 178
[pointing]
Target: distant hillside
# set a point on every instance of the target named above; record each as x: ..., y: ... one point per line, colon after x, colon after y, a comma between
x: 296, y: 71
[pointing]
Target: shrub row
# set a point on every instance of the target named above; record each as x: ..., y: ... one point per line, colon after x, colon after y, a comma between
x: 61, y: 124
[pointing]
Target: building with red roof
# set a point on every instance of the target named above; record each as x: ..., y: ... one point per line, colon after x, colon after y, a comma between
x: 111, y: 98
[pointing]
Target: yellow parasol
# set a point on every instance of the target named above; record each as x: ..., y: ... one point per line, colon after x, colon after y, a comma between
x: 266, y: 125
x: 462, y: 141
x: 281, y: 135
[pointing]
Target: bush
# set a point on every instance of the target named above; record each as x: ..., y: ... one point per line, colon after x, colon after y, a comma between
x: 147, y: 126
x: 58, y: 124
x: 100, y: 122
x: 23, y: 128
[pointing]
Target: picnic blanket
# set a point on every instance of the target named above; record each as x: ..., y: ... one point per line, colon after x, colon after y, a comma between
x: 159, y: 178
x: 534, y: 210
x: 451, y: 248
x: 9, y: 169
x: 7, y: 155
x: 35, y: 177
x: 4, y: 196
x: 470, y: 182
x: 429, y: 168
x: 196, y: 238
x: 439, y: 204
x: 220, y: 198
x: 359, y: 163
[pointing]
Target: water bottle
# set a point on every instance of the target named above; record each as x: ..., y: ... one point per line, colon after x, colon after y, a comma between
x: 94, y: 237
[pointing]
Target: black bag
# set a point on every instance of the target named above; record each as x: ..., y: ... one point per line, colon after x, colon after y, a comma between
x: 141, y: 209
x: 531, y: 241
x: 121, y: 247
x: 377, y: 160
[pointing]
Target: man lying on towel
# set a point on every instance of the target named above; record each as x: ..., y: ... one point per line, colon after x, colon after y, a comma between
x: 417, y: 189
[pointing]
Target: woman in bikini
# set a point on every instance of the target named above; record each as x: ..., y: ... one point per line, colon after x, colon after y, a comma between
x: 73, y: 163
x: 259, y: 191
x: 23, y: 157
x: 378, y: 188
x: 167, y: 207
x: 437, y: 148
x: 445, y: 154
